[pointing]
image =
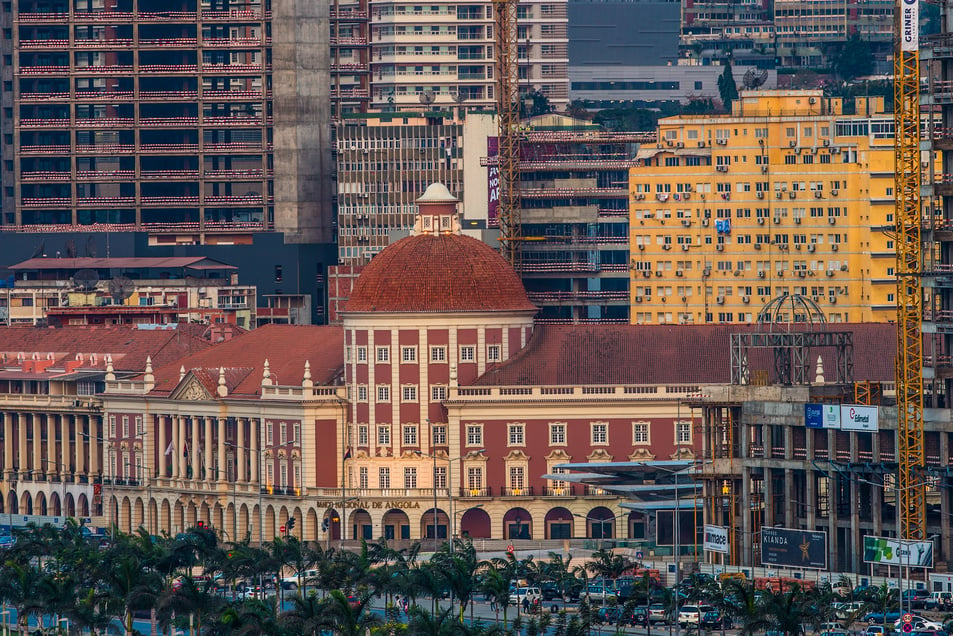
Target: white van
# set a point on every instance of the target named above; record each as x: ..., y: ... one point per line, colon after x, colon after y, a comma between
x: 531, y: 594
x: 307, y: 577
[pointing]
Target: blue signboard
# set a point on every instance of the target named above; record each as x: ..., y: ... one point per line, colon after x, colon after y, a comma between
x: 813, y: 416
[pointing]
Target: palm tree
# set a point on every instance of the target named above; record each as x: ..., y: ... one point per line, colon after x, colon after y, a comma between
x: 496, y: 586
x: 459, y: 570
x: 127, y: 578
x: 188, y: 597
x: 739, y: 600
x: 343, y: 619
x: 609, y: 565
x: 442, y: 623
x: 883, y: 599
x: 305, y: 615
x: 789, y: 609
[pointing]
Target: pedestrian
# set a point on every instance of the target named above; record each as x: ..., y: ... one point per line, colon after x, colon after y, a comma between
x: 525, y: 605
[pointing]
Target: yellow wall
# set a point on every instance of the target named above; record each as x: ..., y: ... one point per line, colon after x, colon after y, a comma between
x: 819, y: 219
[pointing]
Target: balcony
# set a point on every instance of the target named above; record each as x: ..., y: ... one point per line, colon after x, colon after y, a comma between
x: 562, y: 297
x: 175, y: 175
x: 95, y: 202
x: 348, y: 41
x: 350, y: 93
x: 43, y: 97
x: 184, y: 200
x: 100, y: 17
x: 235, y: 200
x: 235, y: 15
x: 31, y: 71
x: 163, y: 148
x: 104, y: 96
x: 106, y: 122
x: 526, y: 491
x: 39, y: 202
x: 97, y: 175
x: 162, y: 96
x: 348, y: 14
x: 351, y: 67
x: 226, y: 95
x: 476, y: 493
x: 111, y: 43
x: 240, y: 174
x: 168, y: 42
x: 236, y: 146
x: 31, y: 45
x: 169, y: 122
x: 38, y: 18
x: 228, y: 43
x: 114, y: 69
x: 173, y: 69
x: 569, y: 193
x: 105, y: 149
x: 230, y: 122
x: 44, y: 123
x: 44, y: 150
x: 569, y: 490
x: 235, y: 68
x: 55, y: 177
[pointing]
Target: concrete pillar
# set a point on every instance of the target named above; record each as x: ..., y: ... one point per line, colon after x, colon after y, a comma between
x: 769, y: 502
x: 745, y: 513
x: 9, y: 442
x: 851, y: 556
x: 37, y: 444
x: 23, y: 451
x: 255, y: 434
x: 94, y: 446
x: 222, y: 474
x: 241, y: 444
x: 789, y: 516
x: 163, y: 445
x: 50, y: 465
x: 177, y: 425
x: 79, y: 448
x: 208, y: 448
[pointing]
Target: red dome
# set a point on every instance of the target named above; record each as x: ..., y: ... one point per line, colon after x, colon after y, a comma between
x: 438, y: 273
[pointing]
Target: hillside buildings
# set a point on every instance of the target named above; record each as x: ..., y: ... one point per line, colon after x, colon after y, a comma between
x: 787, y: 195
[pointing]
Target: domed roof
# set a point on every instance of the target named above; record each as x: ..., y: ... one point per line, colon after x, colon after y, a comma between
x: 438, y: 273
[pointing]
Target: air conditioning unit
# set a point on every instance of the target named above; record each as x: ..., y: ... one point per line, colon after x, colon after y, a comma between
x: 792, y: 143
x: 797, y: 220
x: 760, y: 195
x: 760, y: 220
x: 687, y: 222
x: 687, y: 196
x: 679, y: 145
x: 684, y: 299
x: 781, y: 273
x: 667, y: 246
x: 834, y: 247
x: 679, y: 273
x: 792, y: 194
x: 797, y: 246
x: 815, y: 298
x: 721, y: 142
x: 720, y: 300
x: 843, y: 267
x: 814, y: 151
x: 757, y: 246
x: 721, y: 168
x: 832, y: 220
x: 688, y: 186
x: 761, y: 274
x: 745, y: 299
x: 639, y: 196
x: 777, y: 219
x: 685, y: 247
x: 669, y: 143
x: 661, y: 196
x: 701, y: 144
x: 658, y: 273
x: 646, y: 274
x: 638, y: 299
x: 830, y: 273
x: 832, y: 300
x: 827, y: 142
x: 835, y: 151
x: 811, y: 247
x: 720, y: 247
x: 764, y: 169
x: 818, y: 194
x: 737, y: 272
x: 801, y: 273
x: 778, y: 195
x: 833, y: 193
x: 705, y: 222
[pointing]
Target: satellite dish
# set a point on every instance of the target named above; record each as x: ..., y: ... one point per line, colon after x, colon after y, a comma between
x: 121, y: 288
x: 458, y: 97
x: 85, y: 279
x: 427, y: 97
x: 753, y: 79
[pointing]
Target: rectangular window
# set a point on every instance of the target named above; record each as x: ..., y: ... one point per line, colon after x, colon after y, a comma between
x: 112, y: 425
x: 383, y: 435
x: 684, y: 433
x: 383, y: 393
x: 440, y: 435
x: 282, y: 432
x: 408, y: 393
x: 362, y: 354
x: 296, y: 436
x: 362, y: 393
x: 410, y: 477
x: 493, y: 353
x: 440, y: 477
x: 438, y: 354
x: 600, y: 433
x: 475, y: 478
x: 474, y: 435
x: 383, y: 354
x: 408, y: 354
x: 557, y: 434
x: 640, y: 433
x: 269, y: 433
x: 362, y: 436
x: 283, y: 475
x: 125, y: 426
x: 410, y: 435
x: 517, y: 478
x: 383, y: 477
x: 467, y: 354
x: 140, y: 427
x: 517, y: 435
x: 362, y: 478
x: 438, y: 393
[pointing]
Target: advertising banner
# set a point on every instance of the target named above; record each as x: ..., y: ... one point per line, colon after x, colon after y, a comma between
x: 716, y: 539
x: 822, y: 416
x: 856, y: 417
x: 916, y: 554
x: 794, y: 548
x: 493, y: 181
x: 910, y: 25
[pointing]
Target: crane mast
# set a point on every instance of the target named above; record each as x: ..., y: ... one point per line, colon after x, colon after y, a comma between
x: 508, y: 115
x: 911, y: 492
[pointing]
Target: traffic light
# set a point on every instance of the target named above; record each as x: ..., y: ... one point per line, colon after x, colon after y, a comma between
x: 201, y: 524
x: 291, y: 524
x: 325, y: 524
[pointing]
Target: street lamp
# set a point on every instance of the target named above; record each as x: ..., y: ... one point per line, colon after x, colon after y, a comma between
x: 603, y: 523
x: 449, y: 461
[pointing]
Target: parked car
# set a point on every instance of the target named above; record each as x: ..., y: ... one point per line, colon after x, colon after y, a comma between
x: 831, y: 627
x: 531, y: 594
x: 639, y: 617
x: 874, y: 630
x: 692, y: 614
x: 845, y: 611
x: 941, y: 601
x: 878, y: 618
x: 915, y: 599
x: 715, y: 620
x: 658, y: 614
x: 608, y: 615
x: 835, y: 632
x: 601, y: 592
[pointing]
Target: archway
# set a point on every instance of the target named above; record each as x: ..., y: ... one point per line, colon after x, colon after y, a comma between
x: 40, y: 504
x: 82, y: 506
x: 558, y: 524
x: 269, y: 523
x: 153, y: 516
x: 396, y: 525
x: 331, y: 525
x: 70, y: 505
x: 178, y: 518
x: 12, y: 503
x: 362, y: 527
x: 165, y: 520
x: 431, y: 527
x: 125, y: 519
x: 475, y: 523
x: 600, y: 523
x: 244, y: 529
x: 298, y: 530
x: 26, y: 504
x: 55, y: 507
x: 139, y: 515
x: 311, y: 526
x: 518, y: 524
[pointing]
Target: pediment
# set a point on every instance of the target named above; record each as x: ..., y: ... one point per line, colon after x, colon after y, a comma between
x: 190, y: 389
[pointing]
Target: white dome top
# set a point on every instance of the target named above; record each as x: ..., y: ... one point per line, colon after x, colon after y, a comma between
x: 437, y: 193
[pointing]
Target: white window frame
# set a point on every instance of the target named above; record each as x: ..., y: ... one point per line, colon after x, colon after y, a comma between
x: 637, y: 432
x: 475, y: 479
x: 362, y: 393
x: 361, y: 354
x: 474, y: 434
x: 516, y: 434
x: 557, y: 434
x: 383, y: 393
x: 362, y: 478
x: 363, y: 435
x: 408, y: 355
x: 408, y: 393
x: 383, y: 477
x: 439, y: 434
x: 383, y: 434
x: 467, y: 353
x: 679, y: 442
x: 438, y: 393
x: 516, y: 478
x: 599, y: 433
x: 410, y: 435
x: 440, y: 477
x: 438, y: 354
x: 382, y: 354
x: 494, y: 353
x: 410, y: 477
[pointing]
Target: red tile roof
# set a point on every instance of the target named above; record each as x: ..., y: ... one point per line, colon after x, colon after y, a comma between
x: 132, y: 262
x: 438, y: 273
x: 128, y: 345
x: 668, y: 354
x: 286, y: 347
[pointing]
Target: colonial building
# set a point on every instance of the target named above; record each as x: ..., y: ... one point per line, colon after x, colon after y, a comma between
x: 437, y: 409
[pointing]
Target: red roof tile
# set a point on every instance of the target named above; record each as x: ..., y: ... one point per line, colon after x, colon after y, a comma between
x: 128, y: 346
x: 668, y: 354
x: 438, y: 273
x: 286, y: 347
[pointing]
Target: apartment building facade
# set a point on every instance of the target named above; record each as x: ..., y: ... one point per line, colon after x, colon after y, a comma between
x: 445, y: 50
x: 787, y: 195
x: 137, y: 115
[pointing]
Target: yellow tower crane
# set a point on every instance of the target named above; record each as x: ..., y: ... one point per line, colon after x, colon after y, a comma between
x: 508, y: 114
x: 911, y: 491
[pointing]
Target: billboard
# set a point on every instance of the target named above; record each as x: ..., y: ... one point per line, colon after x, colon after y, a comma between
x: 856, y: 417
x: 917, y: 554
x: 822, y: 415
x: 493, y: 182
x: 791, y: 548
x: 910, y: 25
x: 716, y: 539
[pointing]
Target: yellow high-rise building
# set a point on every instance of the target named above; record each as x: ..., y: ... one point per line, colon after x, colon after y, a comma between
x: 786, y: 195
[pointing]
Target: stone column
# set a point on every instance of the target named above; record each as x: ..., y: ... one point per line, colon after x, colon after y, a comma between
x: 241, y: 472
x: 177, y: 425
x: 195, y: 449
x: 79, y: 448
x: 37, y: 444
x: 9, y: 441
x: 23, y: 451
x: 789, y: 516
x: 163, y: 445
x: 222, y: 474
x: 207, y: 447
x: 94, y: 446
x: 64, y: 446
x: 255, y: 434
x: 50, y: 465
